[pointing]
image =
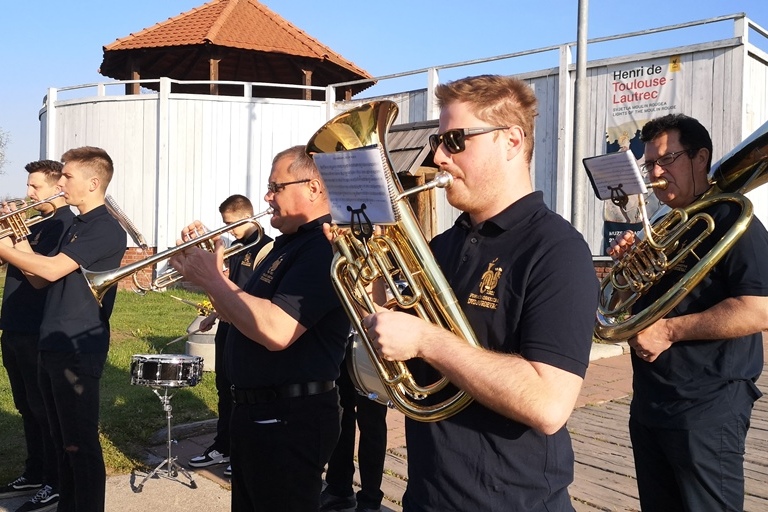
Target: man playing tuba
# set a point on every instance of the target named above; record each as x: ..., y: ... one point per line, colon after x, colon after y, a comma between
x: 695, y: 369
x: 524, y: 278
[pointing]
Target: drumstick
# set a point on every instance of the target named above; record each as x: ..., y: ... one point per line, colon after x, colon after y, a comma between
x: 196, y: 331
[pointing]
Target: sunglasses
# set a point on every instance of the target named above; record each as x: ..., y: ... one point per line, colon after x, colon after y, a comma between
x: 277, y: 187
x: 454, y: 139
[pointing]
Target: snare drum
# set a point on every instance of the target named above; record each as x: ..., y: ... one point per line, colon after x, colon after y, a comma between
x: 363, y: 373
x: 166, y: 370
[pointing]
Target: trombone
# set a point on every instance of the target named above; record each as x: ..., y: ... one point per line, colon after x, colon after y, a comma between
x: 16, y: 222
x: 100, y: 282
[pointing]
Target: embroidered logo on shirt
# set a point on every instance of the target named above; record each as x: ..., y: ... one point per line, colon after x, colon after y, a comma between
x: 487, y: 287
x: 268, y: 275
x: 247, y: 260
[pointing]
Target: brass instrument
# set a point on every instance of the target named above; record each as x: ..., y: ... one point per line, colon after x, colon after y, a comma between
x: 16, y: 222
x: 398, y: 252
x: 171, y: 276
x: 742, y: 170
x: 101, y: 281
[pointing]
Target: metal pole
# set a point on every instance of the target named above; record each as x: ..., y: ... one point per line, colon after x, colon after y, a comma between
x: 580, y: 122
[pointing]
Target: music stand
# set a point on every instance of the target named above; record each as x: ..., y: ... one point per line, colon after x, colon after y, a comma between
x: 173, y: 468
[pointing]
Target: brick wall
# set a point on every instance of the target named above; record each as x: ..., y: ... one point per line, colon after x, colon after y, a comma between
x: 144, y: 276
x: 602, y: 265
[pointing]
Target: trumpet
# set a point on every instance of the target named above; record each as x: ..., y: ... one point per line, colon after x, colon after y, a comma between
x: 171, y: 276
x: 100, y: 282
x: 16, y: 222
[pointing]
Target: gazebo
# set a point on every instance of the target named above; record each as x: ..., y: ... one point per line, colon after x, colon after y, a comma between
x: 238, y: 40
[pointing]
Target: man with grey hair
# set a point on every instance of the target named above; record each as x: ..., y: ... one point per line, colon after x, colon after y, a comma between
x: 285, y: 344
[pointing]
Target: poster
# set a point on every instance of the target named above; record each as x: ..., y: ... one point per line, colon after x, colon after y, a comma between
x: 638, y: 92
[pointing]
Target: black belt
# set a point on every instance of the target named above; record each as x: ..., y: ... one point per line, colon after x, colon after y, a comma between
x: 263, y: 395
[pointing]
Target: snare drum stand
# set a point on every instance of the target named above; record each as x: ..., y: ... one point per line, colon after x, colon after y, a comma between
x: 173, y: 468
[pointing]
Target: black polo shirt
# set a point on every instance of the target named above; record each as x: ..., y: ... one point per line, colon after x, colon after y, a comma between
x: 697, y: 384
x: 526, y: 283
x: 22, y: 309
x: 241, y: 268
x: 73, y: 321
x: 295, y: 276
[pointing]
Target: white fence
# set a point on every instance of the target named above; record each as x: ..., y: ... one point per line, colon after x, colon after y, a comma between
x: 177, y: 156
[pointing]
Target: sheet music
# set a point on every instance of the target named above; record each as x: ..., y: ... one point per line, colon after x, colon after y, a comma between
x: 615, y: 174
x: 355, y: 178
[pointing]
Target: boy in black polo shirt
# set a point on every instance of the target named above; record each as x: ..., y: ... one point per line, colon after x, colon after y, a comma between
x: 240, y: 269
x: 74, y: 333
x: 20, y: 319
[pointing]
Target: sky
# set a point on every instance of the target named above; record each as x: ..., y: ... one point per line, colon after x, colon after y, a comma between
x: 47, y: 43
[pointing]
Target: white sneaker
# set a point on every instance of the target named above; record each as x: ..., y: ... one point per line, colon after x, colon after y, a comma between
x: 209, y: 458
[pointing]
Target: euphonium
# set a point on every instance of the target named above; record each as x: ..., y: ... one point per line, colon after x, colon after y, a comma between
x: 398, y: 252
x: 742, y: 170
x: 17, y: 223
x: 101, y: 282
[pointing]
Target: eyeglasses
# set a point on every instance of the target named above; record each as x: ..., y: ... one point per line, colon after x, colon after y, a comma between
x: 665, y: 160
x: 277, y: 187
x: 454, y: 139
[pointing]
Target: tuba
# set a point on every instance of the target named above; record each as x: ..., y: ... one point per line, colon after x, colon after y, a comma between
x: 741, y: 170
x: 397, y: 253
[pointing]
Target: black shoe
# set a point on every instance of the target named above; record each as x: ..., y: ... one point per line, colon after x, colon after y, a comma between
x: 209, y: 458
x: 45, y: 499
x: 332, y: 503
x: 228, y: 471
x: 19, y: 487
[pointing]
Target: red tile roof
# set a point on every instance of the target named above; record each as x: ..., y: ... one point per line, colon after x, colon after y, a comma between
x: 237, y: 24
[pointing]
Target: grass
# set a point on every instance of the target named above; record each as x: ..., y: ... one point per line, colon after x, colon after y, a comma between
x: 130, y: 415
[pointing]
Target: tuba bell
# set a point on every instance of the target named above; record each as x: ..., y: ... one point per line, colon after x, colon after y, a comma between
x: 741, y: 170
x: 399, y: 252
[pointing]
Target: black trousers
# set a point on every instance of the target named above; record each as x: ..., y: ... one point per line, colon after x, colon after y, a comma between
x: 70, y: 386
x: 20, y: 361
x: 279, y: 450
x: 371, y: 418
x: 690, y: 470
x: 221, y: 442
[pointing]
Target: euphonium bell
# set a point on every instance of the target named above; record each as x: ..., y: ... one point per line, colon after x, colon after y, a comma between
x: 398, y: 252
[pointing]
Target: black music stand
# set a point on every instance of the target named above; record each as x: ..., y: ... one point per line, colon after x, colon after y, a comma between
x: 172, y: 468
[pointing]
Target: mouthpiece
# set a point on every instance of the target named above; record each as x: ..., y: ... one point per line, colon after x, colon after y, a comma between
x: 660, y: 183
x: 443, y: 179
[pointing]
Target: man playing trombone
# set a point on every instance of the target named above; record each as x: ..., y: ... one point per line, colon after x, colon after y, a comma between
x: 74, y: 330
x: 20, y: 319
x: 285, y: 344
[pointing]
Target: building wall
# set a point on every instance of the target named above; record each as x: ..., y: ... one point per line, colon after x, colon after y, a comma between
x: 178, y: 156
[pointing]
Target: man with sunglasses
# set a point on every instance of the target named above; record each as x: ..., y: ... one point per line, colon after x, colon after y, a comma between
x: 695, y: 369
x: 524, y: 278
x: 240, y: 268
x: 284, y: 347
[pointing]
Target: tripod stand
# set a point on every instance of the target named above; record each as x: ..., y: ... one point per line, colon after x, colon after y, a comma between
x: 172, y: 468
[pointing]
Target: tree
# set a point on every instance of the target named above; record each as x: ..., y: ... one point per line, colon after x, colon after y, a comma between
x: 4, y: 138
